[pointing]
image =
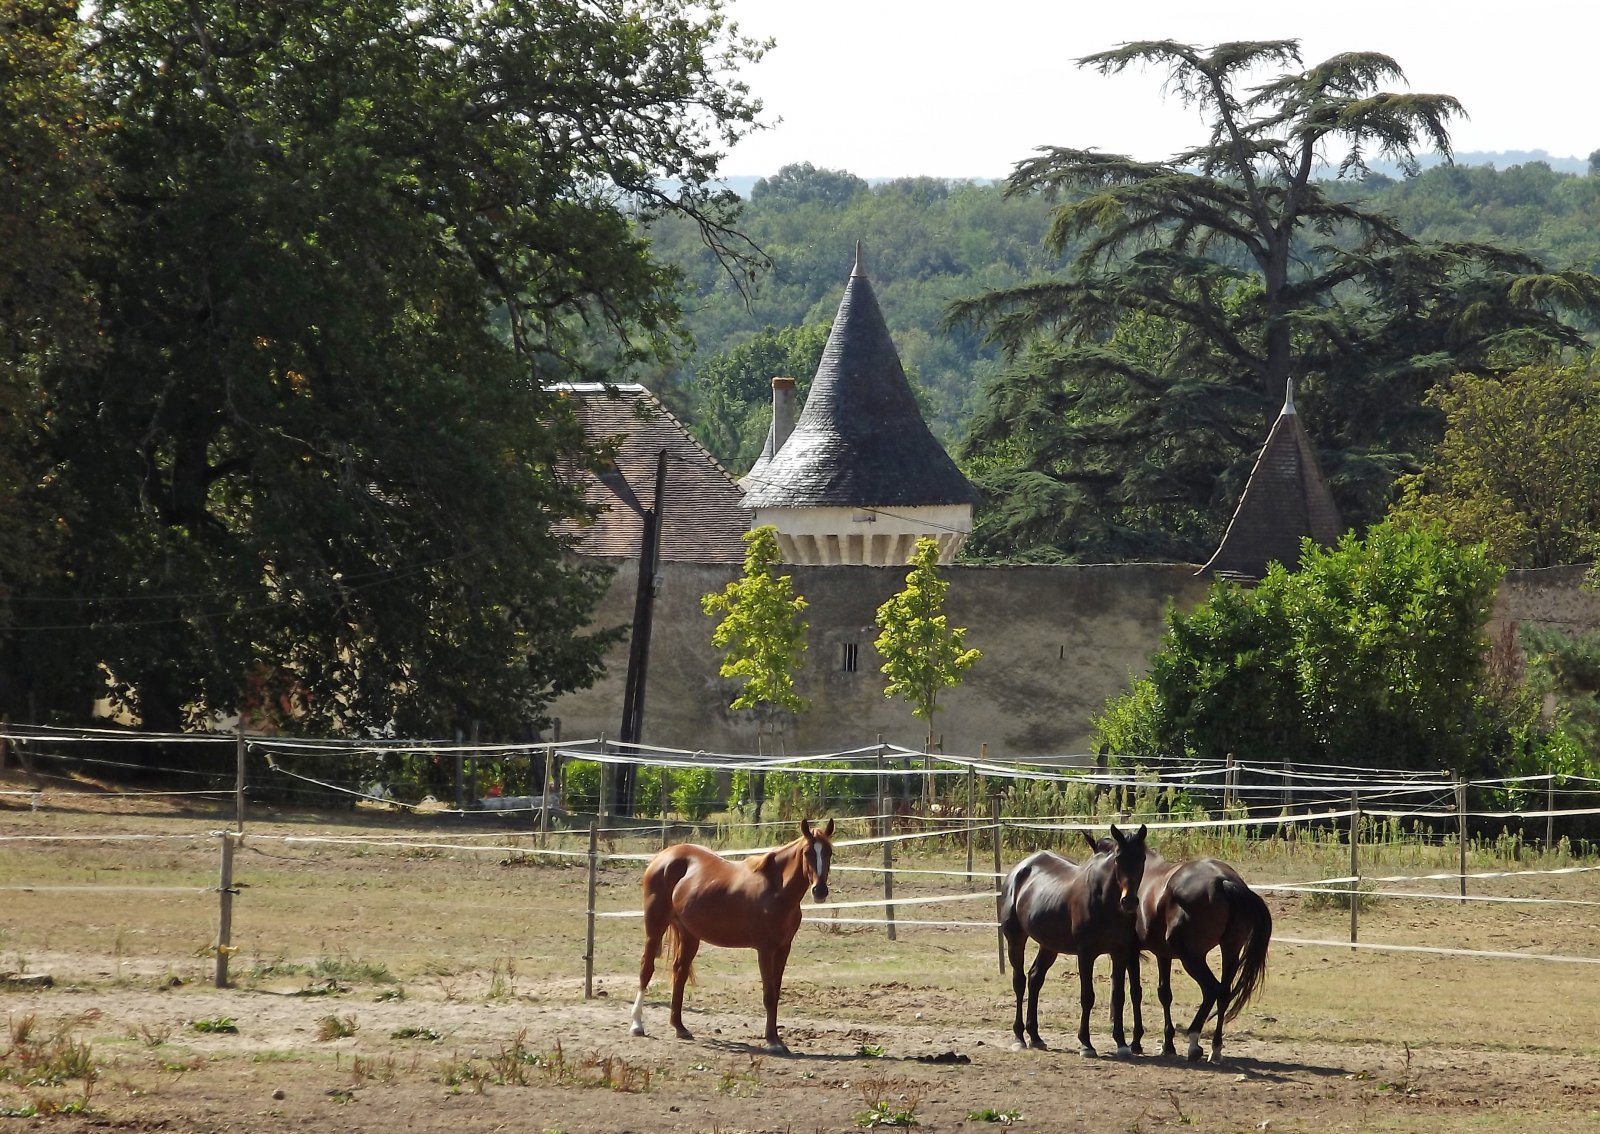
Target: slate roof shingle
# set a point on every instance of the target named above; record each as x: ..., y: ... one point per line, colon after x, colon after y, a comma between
x: 704, y: 517
x: 860, y: 441
x: 1285, y: 499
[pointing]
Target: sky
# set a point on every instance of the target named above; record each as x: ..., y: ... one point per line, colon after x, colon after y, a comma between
x: 967, y: 88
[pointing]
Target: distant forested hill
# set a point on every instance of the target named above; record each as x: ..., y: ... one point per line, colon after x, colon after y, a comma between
x: 927, y: 241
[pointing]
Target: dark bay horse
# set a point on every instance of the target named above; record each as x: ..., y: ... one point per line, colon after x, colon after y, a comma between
x: 697, y: 896
x: 1187, y: 909
x: 1084, y: 910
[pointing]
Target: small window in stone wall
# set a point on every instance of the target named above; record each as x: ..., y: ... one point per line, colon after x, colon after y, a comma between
x: 850, y: 655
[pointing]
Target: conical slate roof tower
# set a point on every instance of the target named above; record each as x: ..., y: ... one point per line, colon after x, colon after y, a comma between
x: 1285, y: 500
x: 861, y: 476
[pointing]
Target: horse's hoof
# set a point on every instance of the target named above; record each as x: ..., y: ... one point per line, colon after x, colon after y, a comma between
x: 1194, y: 1054
x: 1216, y: 1059
x: 685, y: 1034
x: 1137, y: 1049
x: 1039, y: 1044
x: 1088, y: 1052
x: 1124, y: 1052
x: 776, y: 1048
x: 1018, y: 1045
x: 1168, y: 1049
x: 637, y: 1030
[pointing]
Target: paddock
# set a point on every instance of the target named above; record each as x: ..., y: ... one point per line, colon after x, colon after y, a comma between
x: 390, y: 967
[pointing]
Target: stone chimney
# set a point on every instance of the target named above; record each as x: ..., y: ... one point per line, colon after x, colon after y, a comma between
x: 783, y: 397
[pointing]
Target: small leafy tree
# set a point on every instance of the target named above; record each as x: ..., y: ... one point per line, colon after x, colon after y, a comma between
x: 762, y: 636
x: 1519, y: 466
x: 922, y: 654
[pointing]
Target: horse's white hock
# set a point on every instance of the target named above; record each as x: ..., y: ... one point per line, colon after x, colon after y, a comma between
x: 637, y: 1027
x: 1195, y: 1051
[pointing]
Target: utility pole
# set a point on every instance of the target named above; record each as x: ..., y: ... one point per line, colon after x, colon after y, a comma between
x: 643, y: 612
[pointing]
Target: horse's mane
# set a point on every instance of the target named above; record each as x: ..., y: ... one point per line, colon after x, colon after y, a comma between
x: 760, y: 862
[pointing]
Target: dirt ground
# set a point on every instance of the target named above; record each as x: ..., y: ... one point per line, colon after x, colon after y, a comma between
x: 384, y: 988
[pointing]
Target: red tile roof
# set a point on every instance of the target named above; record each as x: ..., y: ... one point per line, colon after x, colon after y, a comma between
x: 703, y: 517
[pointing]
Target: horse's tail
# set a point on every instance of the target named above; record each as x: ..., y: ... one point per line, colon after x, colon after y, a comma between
x: 670, y: 940
x: 1252, y: 975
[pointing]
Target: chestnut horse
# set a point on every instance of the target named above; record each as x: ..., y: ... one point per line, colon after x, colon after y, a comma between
x: 1187, y: 909
x: 1084, y: 910
x: 697, y: 895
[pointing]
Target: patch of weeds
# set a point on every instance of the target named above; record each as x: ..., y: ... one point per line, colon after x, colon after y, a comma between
x: 990, y: 1114
x: 510, y: 1067
x: 503, y: 979
x: 153, y: 1036
x: 333, y: 1027
x: 886, y: 1114
x: 1178, y: 1114
x: 1406, y: 1085
x: 456, y: 1073
x: 616, y: 1074
x: 27, y: 1110
x: 366, y: 1070
x: 429, y: 1034
x: 737, y: 1082
x: 277, y: 968
x: 331, y: 988
x: 179, y: 1066
x: 871, y: 1051
x: 884, y: 1110
x: 389, y: 995
x: 349, y: 968
x: 1330, y: 899
x: 219, y: 1025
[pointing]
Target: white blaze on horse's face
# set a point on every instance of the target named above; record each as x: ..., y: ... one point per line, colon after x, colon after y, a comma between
x: 821, y: 860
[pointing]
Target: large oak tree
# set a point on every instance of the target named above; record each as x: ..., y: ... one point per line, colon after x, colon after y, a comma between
x: 347, y: 249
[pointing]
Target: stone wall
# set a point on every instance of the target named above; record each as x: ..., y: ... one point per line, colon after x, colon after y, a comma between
x: 1058, y: 641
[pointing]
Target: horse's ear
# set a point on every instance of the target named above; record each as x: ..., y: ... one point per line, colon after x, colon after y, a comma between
x: 1088, y: 838
x: 827, y: 832
x: 805, y: 829
x: 1116, y: 834
x: 1144, y: 829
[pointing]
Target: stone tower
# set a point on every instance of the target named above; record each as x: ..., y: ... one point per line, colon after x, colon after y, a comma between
x: 860, y: 477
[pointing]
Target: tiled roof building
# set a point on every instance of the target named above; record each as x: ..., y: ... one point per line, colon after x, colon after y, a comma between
x: 703, y: 516
x: 1285, y: 500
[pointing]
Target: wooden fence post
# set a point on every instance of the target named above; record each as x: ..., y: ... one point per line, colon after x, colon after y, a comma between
x: 1550, y: 814
x: 1355, y: 865
x: 666, y: 801
x: 887, y: 828
x: 994, y: 820
x: 549, y: 794
x: 238, y: 781
x: 972, y: 806
x: 882, y: 809
x: 225, y: 893
x: 594, y: 869
x: 1461, y: 841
